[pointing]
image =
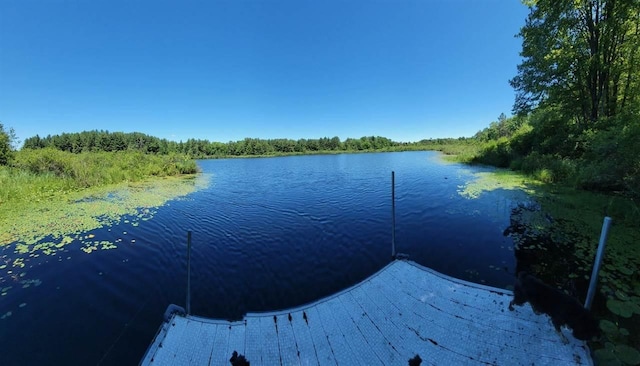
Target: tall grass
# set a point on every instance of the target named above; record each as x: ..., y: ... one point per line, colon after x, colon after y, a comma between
x: 38, y: 174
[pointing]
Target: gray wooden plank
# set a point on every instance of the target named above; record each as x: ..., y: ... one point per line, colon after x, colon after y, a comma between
x: 253, y: 341
x: 218, y: 351
x: 306, y: 347
x: 236, y: 338
x: 429, y: 285
x: 373, y: 307
x: 289, y: 354
x: 372, y: 333
x: 488, y: 343
x: 340, y: 348
x: 203, y: 344
x: 451, y: 330
x: 423, y: 334
x: 321, y: 343
x: 344, y: 318
x: 171, y: 345
x: 493, y: 328
x: 270, y: 347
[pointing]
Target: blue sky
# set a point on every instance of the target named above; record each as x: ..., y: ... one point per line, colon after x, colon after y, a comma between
x: 225, y: 70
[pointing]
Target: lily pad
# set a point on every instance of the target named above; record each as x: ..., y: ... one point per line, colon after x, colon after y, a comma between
x: 622, y: 308
x: 605, y: 356
x: 624, y: 331
x: 621, y: 295
x: 626, y: 271
x: 628, y: 355
x: 608, y: 327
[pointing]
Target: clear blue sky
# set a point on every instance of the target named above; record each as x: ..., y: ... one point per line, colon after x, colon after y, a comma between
x: 225, y: 70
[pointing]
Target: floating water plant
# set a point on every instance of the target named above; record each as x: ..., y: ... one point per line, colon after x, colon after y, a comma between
x: 609, y: 328
x: 627, y: 355
x: 620, y: 354
x: 624, y: 309
x: 498, y: 179
x: 18, y: 262
x: 61, y: 219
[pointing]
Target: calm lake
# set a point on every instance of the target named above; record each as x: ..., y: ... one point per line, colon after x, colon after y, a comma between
x: 267, y: 234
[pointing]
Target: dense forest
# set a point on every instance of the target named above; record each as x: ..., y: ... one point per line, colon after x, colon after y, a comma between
x: 200, y: 148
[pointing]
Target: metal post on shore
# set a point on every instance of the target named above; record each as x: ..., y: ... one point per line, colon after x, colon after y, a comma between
x: 393, y: 214
x: 606, y: 224
x: 188, y: 272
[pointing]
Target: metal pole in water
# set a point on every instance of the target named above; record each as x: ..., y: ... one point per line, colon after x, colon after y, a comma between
x: 188, y: 272
x: 606, y: 224
x: 393, y: 214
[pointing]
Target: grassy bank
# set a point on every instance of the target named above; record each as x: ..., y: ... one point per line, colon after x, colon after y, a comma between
x: 44, y: 173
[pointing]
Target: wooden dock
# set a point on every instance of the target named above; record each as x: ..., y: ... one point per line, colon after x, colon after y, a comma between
x: 401, y: 311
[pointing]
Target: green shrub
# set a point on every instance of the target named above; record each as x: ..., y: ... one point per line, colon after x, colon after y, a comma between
x: 495, y: 152
x: 549, y: 168
x: 544, y: 175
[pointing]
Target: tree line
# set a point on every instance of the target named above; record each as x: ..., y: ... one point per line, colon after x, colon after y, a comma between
x: 202, y: 148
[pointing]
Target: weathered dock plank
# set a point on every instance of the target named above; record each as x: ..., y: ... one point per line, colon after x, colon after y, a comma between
x: 236, y: 339
x: 204, y: 345
x: 304, y: 340
x: 403, y: 310
x: 289, y: 352
x: 218, y: 354
x: 321, y: 344
x: 253, y: 342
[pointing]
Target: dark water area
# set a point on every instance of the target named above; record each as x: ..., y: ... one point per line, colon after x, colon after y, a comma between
x: 267, y: 234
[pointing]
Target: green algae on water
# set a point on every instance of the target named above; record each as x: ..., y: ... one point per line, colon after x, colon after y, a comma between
x: 494, y: 180
x: 62, y: 219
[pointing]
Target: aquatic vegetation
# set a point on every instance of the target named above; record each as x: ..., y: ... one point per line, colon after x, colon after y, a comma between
x: 562, y: 248
x: 102, y: 245
x: 498, y: 179
x: 619, y: 354
x: 556, y: 230
x: 5, y: 290
x: 48, y: 226
x: 624, y: 309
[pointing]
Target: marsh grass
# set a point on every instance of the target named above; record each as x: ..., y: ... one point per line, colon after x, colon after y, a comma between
x: 48, y: 193
x: 45, y: 173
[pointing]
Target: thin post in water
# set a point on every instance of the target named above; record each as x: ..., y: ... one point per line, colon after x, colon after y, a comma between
x: 188, y: 272
x: 393, y: 214
x: 606, y: 224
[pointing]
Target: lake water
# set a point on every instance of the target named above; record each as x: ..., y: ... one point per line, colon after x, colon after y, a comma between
x: 267, y: 234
